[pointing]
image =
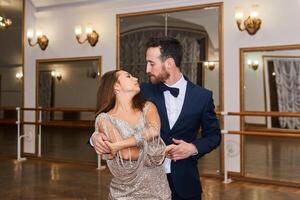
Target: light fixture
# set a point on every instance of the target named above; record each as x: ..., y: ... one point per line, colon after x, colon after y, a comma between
x: 19, y: 75
x: 91, y: 35
x: 209, y: 65
x: 252, y: 23
x: 92, y: 73
x: 42, y: 39
x: 56, y: 75
x: 5, y: 22
x: 253, y: 64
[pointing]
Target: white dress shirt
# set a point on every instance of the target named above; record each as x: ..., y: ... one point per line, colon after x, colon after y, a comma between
x: 174, y: 107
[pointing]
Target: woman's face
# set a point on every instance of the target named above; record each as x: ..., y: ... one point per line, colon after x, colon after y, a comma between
x: 127, y: 83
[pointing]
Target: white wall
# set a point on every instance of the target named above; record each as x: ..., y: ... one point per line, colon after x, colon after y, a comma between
x: 277, y: 17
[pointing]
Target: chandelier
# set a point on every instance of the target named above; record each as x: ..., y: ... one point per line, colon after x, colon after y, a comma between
x: 4, y: 22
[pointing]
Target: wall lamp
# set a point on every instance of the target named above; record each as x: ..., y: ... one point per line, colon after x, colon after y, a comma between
x: 209, y: 65
x: 253, y: 64
x: 19, y: 75
x: 56, y: 75
x: 252, y: 23
x: 91, y: 35
x: 42, y: 39
x: 5, y: 22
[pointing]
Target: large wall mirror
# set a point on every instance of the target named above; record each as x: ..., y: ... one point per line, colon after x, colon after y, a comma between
x: 68, y: 85
x: 11, y: 73
x: 199, y: 29
x: 270, y: 82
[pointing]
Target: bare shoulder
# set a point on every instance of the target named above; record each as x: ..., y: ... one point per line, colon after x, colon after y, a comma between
x: 150, y: 107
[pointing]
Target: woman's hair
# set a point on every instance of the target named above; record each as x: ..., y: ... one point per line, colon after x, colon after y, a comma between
x: 106, y: 97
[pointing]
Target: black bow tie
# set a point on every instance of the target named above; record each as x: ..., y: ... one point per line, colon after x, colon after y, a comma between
x: 173, y: 91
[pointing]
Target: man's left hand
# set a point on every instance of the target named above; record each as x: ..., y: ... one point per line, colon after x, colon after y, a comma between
x: 182, y: 150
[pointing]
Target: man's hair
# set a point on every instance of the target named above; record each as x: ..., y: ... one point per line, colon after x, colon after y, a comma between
x: 169, y: 48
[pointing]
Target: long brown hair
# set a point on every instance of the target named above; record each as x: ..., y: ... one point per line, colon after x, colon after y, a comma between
x: 106, y: 97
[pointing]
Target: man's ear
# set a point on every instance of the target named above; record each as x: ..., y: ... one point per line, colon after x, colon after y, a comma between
x: 170, y: 63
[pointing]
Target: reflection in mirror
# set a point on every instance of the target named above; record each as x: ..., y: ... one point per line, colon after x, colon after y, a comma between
x: 273, y: 86
x: 271, y: 83
x: 68, y: 83
x: 197, y: 30
x: 11, y: 63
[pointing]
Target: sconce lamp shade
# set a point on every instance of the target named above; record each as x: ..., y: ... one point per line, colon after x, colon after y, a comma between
x: 252, y: 24
x: 91, y: 35
x: 42, y: 39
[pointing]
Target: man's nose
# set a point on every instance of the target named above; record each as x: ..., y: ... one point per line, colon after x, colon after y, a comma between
x: 148, y: 68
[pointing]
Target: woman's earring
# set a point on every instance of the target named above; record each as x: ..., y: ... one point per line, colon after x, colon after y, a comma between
x: 116, y: 92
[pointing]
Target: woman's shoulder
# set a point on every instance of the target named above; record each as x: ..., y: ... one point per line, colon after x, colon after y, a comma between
x: 149, y: 106
x: 102, y: 117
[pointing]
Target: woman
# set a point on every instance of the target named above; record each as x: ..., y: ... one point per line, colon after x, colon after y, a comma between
x: 133, y: 128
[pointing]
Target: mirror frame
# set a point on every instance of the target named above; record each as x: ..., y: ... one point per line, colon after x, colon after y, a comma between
x: 220, y: 42
x: 176, y: 9
x: 242, y: 67
x: 242, y: 93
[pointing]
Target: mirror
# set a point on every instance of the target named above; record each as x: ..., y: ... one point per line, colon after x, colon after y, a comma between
x: 70, y: 86
x: 11, y: 58
x: 68, y: 83
x: 271, y: 82
x: 11, y: 64
x: 199, y: 29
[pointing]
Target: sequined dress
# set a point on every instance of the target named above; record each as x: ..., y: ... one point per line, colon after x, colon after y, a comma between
x: 142, y: 179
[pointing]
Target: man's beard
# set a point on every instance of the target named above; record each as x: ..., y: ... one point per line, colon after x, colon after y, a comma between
x: 161, y: 77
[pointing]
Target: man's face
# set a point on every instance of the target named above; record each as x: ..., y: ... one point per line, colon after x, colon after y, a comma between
x: 156, y: 69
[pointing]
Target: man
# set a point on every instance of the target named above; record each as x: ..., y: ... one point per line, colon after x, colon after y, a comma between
x: 183, y: 108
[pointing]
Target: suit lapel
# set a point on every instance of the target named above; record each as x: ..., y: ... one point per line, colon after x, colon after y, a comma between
x: 162, y: 109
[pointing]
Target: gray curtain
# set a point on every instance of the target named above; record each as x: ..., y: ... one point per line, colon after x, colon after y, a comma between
x: 288, y: 90
x: 133, y: 50
x: 46, y: 87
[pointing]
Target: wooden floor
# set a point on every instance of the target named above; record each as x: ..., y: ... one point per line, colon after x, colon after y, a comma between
x: 34, y: 179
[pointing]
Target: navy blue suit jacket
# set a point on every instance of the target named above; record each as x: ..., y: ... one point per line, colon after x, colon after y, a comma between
x: 197, y: 111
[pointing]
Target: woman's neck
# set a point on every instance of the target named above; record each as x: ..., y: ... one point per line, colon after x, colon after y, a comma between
x: 123, y: 105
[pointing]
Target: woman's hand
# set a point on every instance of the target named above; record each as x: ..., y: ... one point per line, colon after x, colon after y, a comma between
x: 169, y: 148
x: 113, y: 147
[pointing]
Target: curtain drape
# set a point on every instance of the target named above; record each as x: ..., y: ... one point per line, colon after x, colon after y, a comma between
x: 288, y: 90
x: 46, y: 85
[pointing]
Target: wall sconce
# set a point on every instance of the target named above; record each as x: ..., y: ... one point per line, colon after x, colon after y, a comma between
x: 253, y: 64
x: 91, y: 73
x: 91, y: 35
x: 56, y: 75
x: 252, y: 23
x: 5, y: 22
x: 19, y: 76
x: 42, y: 39
x: 209, y: 65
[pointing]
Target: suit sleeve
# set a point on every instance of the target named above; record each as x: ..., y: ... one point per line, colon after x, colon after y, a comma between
x: 210, y: 130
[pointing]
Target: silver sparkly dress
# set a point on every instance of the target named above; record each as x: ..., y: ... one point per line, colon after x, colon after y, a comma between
x: 142, y: 179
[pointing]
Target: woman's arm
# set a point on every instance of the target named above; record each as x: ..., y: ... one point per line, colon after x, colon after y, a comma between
x: 151, y: 131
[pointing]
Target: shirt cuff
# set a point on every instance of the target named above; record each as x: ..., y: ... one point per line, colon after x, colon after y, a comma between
x: 91, y: 142
x: 196, y: 151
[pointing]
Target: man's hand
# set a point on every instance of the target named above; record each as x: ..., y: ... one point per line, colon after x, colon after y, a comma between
x: 99, y: 144
x: 182, y: 150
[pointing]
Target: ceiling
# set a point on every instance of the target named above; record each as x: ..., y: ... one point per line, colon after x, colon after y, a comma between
x: 53, y: 3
